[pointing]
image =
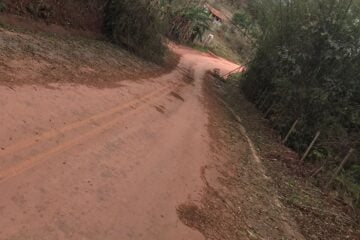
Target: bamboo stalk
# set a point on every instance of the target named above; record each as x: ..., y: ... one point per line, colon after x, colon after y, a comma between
x: 290, y: 131
x: 310, y: 146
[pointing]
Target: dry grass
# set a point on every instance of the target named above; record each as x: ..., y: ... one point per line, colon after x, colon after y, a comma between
x: 44, y: 58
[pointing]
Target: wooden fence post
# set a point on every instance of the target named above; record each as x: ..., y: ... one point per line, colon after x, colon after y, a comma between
x: 343, y: 162
x: 310, y: 146
x: 290, y: 131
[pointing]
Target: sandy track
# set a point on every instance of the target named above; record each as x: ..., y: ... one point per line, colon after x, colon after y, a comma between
x: 85, y: 163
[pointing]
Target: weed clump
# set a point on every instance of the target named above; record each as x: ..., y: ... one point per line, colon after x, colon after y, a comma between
x: 306, y: 69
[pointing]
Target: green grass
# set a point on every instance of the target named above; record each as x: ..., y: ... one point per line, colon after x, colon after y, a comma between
x: 199, y: 47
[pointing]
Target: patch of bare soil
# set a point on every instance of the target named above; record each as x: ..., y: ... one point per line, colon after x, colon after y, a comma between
x: 45, y: 58
x: 239, y: 201
x: 319, y: 215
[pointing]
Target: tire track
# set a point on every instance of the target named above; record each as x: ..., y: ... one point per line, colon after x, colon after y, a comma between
x: 32, y: 161
x: 22, y: 144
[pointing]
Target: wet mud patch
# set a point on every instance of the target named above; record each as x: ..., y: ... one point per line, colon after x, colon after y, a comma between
x: 188, y: 74
x: 192, y: 215
x: 160, y: 109
x: 214, y: 217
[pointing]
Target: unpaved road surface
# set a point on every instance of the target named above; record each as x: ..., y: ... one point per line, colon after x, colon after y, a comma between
x: 80, y: 162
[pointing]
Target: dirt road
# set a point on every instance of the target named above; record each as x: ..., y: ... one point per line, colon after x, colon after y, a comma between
x: 80, y: 162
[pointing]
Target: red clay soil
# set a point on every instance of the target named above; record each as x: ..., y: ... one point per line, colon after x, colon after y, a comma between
x: 79, y: 162
x: 81, y: 158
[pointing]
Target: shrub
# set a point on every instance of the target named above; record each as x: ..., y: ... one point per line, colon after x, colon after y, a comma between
x: 136, y: 26
x: 189, y: 24
x: 307, y: 67
x: 2, y: 6
x: 241, y: 19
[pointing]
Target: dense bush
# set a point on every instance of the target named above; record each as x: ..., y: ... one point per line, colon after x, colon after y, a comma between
x: 188, y: 24
x: 2, y: 6
x: 237, y: 3
x: 141, y: 25
x: 307, y: 67
x: 137, y: 26
x: 242, y: 20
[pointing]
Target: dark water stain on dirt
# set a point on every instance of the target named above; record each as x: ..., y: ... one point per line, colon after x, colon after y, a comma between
x: 176, y: 95
x: 160, y: 109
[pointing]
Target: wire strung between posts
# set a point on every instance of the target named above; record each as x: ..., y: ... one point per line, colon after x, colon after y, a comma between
x: 238, y: 68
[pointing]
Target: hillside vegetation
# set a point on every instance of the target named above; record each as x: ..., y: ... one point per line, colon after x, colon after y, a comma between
x: 139, y: 26
x: 302, y: 66
x: 142, y: 26
x: 306, y: 68
x: 135, y: 25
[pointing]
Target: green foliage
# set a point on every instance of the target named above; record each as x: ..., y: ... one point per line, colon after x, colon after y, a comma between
x: 140, y: 25
x: 198, y: 47
x: 234, y: 76
x: 199, y: 19
x: 308, y: 65
x: 241, y: 19
x: 137, y: 26
x: 2, y: 6
x: 31, y: 9
x: 237, y: 3
x: 189, y: 24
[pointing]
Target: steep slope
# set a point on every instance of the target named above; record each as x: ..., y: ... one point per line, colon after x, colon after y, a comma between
x: 80, y: 14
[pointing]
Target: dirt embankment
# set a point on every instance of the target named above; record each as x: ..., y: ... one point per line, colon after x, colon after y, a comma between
x: 81, y: 14
x: 239, y: 201
x: 46, y: 58
x: 318, y: 215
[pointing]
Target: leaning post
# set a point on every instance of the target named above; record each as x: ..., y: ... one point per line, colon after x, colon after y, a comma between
x: 343, y: 162
x: 290, y: 131
x: 310, y: 146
